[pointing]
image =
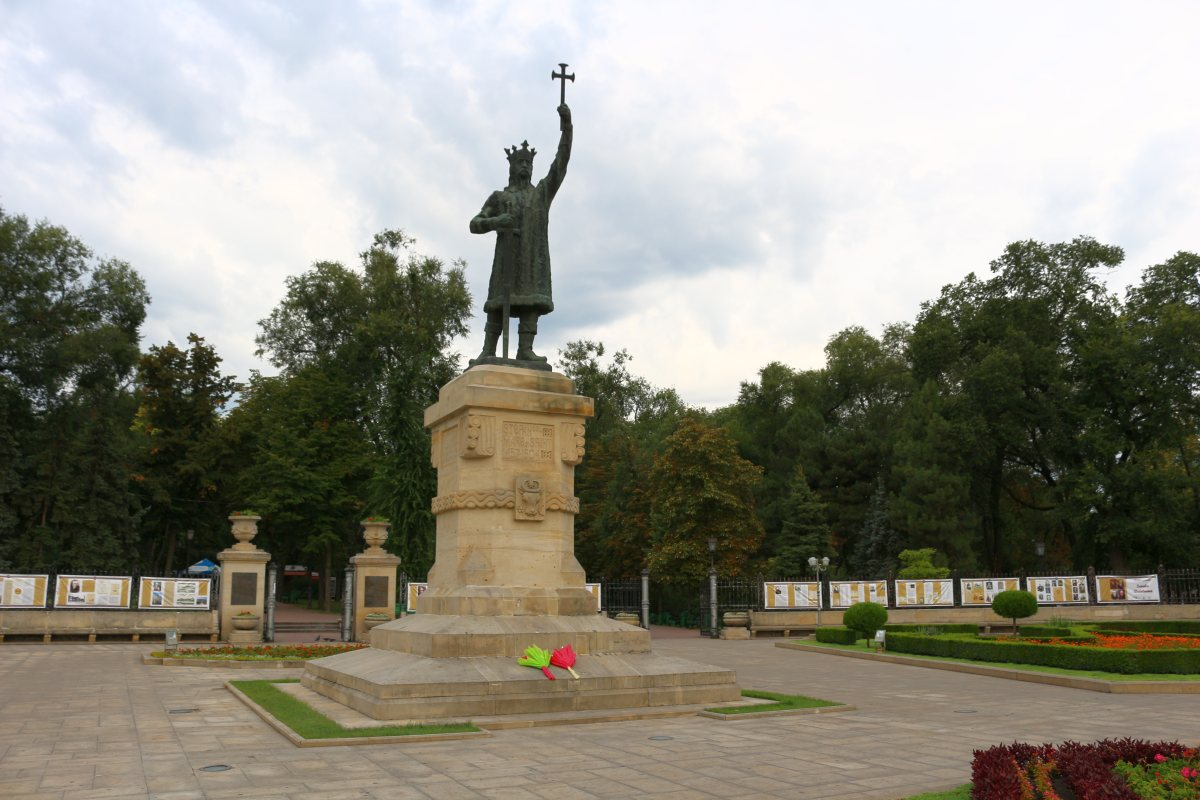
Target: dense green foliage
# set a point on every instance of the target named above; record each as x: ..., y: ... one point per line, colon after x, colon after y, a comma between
x: 918, y: 564
x: 866, y: 618
x: 1026, y: 406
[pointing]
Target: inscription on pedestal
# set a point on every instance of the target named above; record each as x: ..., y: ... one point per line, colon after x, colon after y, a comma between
x: 523, y: 441
x: 244, y: 589
x: 375, y: 591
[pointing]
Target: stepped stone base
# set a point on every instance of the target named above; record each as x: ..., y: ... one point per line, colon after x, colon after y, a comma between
x: 430, y: 667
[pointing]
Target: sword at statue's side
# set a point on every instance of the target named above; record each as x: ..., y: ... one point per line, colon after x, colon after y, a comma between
x: 510, y: 262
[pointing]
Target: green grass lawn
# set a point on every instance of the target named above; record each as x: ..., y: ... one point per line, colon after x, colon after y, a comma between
x: 781, y: 702
x: 259, y: 652
x: 959, y: 793
x: 309, y: 723
x: 1074, y: 673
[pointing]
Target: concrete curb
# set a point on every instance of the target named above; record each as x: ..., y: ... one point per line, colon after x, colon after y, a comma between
x: 790, y: 712
x: 349, y: 741
x: 1086, y: 684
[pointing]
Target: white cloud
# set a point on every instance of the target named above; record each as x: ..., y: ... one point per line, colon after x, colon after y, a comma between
x: 746, y: 182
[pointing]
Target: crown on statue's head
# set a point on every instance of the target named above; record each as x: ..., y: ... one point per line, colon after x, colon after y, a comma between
x: 524, y: 154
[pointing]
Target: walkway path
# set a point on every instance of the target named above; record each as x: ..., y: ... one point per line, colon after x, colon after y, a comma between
x: 89, y: 721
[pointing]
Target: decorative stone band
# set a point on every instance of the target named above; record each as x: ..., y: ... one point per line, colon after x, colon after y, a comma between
x: 499, y: 498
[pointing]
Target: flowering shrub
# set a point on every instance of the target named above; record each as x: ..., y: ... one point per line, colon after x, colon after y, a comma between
x: 1091, y: 771
x: 1164, y: 778
x: 266, y: 652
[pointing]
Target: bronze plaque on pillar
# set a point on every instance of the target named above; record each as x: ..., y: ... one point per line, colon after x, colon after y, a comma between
x: 244, y: 590
x: 375, y: 592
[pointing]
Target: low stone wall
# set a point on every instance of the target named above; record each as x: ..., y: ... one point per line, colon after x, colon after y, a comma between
x: 93, y: 623
x: 794, y: 622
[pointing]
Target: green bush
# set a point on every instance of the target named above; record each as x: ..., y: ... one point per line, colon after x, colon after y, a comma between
x: 837, y: 635
x: 866, y: 618
x: 1015, y: 604
x: 1182, y: 662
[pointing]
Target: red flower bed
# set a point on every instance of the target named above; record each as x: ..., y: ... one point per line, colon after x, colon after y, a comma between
x: 1072, y: 770
x: 1137, y: 641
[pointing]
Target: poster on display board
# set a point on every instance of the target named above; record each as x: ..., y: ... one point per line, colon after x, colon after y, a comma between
x: 846, y: 593
x: 791, y: 595
x: 981, y: 591
x: 415, y: 590
x: 1127, y: 589
x: 23, y: 591
x: 174, y: 593
x: 92, y: 591
x: 927, y: 592
x: 594, y: 589
x: 1059, y: 590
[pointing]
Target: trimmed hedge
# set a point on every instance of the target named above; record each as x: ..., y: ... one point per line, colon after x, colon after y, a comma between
x: 1178, y: 662
x: 1151, y: 626
x: 956, y: 627
x: 1044, y: 632
x: 837, y: 635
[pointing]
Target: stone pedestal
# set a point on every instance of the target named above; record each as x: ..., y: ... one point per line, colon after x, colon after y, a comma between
x: 243, y: 581
x: 505, y: 443
x: 374, y: 579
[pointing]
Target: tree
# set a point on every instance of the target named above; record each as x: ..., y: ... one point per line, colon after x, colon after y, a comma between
x: 702, y: 488
x: 918, y: 564
x: 612, y: 530
x: 1015, y: 604
x: 386, y: 332
x: 878, y: 544
x: 805, y: 532
x: 866, y: 618
x: 181, y: 395
x: 69, y: 328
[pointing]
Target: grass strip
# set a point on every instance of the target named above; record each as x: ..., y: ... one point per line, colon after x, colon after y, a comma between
x: 1074, y: 673
x: 958, y: 793
x: 309, y: 723
x: 781, y: 702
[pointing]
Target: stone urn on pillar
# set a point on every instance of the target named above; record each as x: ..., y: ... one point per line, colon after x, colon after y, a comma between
x: 245, y: 528
x: 375, y: 533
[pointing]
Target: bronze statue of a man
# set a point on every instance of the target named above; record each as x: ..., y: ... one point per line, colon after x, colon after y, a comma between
x: 520, y: 282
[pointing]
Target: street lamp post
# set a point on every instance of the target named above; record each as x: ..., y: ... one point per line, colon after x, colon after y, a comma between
x: 712, y: 586
x: 1039, y: 547
x: 818, y: 566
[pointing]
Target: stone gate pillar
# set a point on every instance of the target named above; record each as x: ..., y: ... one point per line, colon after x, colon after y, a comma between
x: 243, y: 583
x: 374, y: 581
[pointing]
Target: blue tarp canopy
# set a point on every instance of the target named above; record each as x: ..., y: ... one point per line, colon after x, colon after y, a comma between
x: 202, y: 567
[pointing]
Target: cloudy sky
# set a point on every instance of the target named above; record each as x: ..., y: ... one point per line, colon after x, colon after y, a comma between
x: 748, y: 179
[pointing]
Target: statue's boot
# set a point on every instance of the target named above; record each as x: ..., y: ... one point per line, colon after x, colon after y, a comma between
x: 525, y: 333
x: 491, y: 335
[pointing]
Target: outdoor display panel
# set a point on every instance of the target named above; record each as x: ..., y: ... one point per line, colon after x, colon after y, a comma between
x: 1060, y: 590
x: 981, y: 591
x: 415, y: 590
x: 92, y: 591
x: 23, y: 591
x: 843, y: 594
x: 791, y: 595
x: 1127, y: 589
x: 925, y: 592
x: 191, y: 593
x: 594, y: 588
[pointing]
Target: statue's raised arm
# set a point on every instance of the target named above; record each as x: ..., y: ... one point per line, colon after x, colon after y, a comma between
x: 558, y: 169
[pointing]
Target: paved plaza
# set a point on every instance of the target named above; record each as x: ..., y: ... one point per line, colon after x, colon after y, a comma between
x: 90, y: 721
